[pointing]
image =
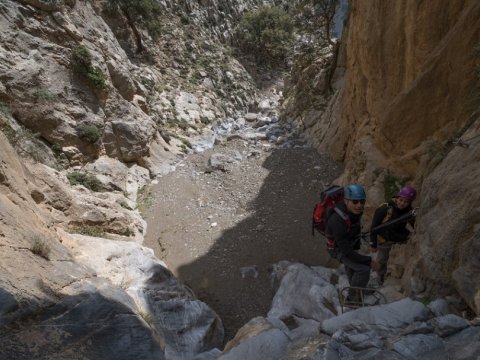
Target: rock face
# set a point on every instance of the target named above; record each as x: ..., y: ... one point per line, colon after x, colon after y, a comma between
x: 74, y: 296
x: 397, y: 102
x: 86, y: 120
x: 123, y: 99
x: 403, y: 329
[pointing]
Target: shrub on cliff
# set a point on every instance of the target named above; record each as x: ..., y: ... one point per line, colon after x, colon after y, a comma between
x: 88, y: 133
x: 89, y: 181
x: 266, y: 35
x: 82, y: 65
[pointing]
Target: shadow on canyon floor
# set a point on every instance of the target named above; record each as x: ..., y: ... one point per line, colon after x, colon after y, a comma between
x: 279, y: 229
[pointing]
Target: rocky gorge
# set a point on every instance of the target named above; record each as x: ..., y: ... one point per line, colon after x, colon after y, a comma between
x: 154, y: 198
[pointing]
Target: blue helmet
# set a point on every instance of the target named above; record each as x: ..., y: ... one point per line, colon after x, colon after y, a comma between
x: 354, y: 192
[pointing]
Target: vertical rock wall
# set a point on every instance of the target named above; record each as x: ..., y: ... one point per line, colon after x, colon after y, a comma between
x: 410, y: 70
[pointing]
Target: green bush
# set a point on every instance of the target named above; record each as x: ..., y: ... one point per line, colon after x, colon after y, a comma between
x: 89, y: 181
x: 97, y: 78
x: 392, y: 183
x: 57, y: 149
x: 267, y: 34
x: 81, y: 57
x: 390, y: 186
x: 82, y: 65
x: 88, y: 133
x: 185, y: 20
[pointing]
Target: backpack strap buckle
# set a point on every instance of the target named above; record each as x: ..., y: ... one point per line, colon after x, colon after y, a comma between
x: 330, y: 244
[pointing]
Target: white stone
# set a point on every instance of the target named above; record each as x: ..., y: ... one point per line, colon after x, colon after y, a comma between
x: 386, y: 317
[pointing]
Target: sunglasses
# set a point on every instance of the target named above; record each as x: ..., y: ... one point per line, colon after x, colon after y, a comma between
x: 355, y: 202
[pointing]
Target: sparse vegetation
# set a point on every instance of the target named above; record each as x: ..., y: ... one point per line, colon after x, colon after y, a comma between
x: 146, y: 13
x: 186, y: 142
x: 43, y: 95
x: 88, y: 133
x: 57, y: 149
x: 144, y: 200
x: 317, y: 18
x: 184, y: 148
x: 25, y: 134
x: 179, y: 123
x: 36, y: 151
x: 266, y: 35
x: 147, y: 317
x: 81, y: 57
x: 25, y: 141
x: 8, y: 132
x: 89, y: 230
x: 88, y: 180
x: 425, y: 300
x: 40, y: 247
x: 204, y: 120
x: 4, y: 109
x: 391, y: 185
x: 184, y: 19
x: 82, y: 65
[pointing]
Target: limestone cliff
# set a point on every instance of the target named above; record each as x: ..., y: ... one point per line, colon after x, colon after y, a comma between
x: 87, y: 118
x: 396, y: 105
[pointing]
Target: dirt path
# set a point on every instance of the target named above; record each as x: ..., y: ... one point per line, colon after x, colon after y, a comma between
x: 208, y: 226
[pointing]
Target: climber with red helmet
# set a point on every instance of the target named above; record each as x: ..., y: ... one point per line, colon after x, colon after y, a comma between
x: 381, y: 241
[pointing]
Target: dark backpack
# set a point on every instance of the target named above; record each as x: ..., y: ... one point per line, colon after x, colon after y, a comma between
x: 393, y: 233
x: 324, y: 208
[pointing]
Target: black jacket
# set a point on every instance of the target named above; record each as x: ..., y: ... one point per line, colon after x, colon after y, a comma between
x: 395, y: 233
x: 346, y: 238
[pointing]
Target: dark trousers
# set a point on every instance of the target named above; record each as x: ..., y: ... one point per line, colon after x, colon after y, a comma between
x: 383, y: 254
x: 358, y: 274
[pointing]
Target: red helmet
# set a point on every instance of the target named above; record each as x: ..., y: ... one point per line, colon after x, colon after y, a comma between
x: 408, y: 193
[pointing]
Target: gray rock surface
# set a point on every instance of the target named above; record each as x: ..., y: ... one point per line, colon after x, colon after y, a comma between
x: 449, y: 324
x: 267, y: 342
x: 390, y: 316
x: 438, y: 307
x: 418, y: 346
x: 305, y: 294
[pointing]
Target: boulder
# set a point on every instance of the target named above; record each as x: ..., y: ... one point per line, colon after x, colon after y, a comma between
x: 449, y: 324
x: 121, y: 79
x: 303, y: 293
x: 256, y: 340
x: 383, y: 318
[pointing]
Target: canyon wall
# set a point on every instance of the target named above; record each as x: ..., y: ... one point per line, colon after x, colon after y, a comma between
x: 404, y: 91
x: 87, y: 119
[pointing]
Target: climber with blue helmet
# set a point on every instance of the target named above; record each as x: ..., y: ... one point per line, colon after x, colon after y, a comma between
x: 382, y: 241
x: 343, y: 227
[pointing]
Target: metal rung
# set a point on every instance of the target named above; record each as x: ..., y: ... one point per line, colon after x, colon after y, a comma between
x: 363, y: 297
